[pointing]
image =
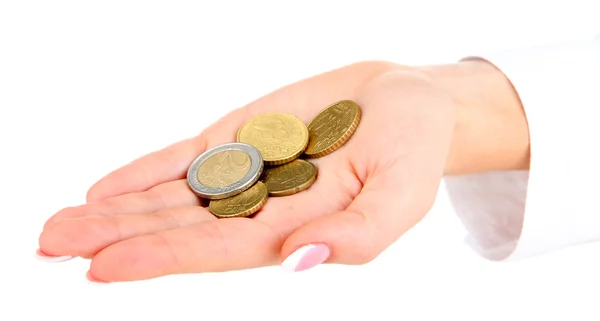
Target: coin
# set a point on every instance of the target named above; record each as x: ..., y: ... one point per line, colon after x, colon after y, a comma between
x: 225, y: 171
x: 279, y: 137
x: 332, y: 128
x: 290, y: 178
x: 241, y: 205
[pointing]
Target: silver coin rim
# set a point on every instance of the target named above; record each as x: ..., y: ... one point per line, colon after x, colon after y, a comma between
x: 215, y: 193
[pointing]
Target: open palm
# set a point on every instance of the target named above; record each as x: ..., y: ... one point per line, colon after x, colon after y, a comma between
x: 143, y: 221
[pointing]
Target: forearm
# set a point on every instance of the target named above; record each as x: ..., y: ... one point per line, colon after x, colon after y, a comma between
x: 510, y: 214
x: 491, y: 131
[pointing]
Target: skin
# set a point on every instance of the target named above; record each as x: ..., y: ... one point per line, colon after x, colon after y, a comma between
x: 419, y: 123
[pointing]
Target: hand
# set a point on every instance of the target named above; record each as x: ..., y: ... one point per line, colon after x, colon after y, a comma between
x: 142, y: 221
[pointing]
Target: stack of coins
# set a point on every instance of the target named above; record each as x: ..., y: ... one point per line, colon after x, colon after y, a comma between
x: 267, y: 159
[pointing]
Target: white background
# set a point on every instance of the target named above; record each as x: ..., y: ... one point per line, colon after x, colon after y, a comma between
x: 86, y: 86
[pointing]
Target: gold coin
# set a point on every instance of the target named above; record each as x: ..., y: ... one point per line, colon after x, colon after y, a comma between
x: 224, y: 168
x: 279, y: 137
x: 289, y: 178
x: 241, y: 205
x: 332, y: 128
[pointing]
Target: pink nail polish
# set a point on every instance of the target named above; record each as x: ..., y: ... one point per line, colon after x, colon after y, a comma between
x: 306, y: 257
x: 50, y: 258
x: 93, y: 279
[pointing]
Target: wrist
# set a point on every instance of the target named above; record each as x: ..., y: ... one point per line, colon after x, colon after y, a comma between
x: 491, y: 132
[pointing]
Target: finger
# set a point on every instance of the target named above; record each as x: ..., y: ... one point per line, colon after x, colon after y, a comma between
x: 176, y: 193
x: 303, y: 99
x: 214, y: 246
x: 400, y: 187
x: 245, y: 243
x: 85, y: 236
x: 228, y: 244
x: 161, y: 166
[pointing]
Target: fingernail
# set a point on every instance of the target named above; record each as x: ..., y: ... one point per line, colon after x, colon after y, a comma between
x: 93, y: 279
x: 50, y: 258
x: 306, y: 257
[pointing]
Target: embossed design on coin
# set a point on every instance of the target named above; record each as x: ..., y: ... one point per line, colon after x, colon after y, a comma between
x: 290, y: 178
x: 224, y: 168
x: 225, y: 171
x: 332, y: 128
x: 279, y: 137
x: 241, y: 205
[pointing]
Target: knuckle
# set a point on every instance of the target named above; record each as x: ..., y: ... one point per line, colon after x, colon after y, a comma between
x: 375, y: 64
x: 366, y: 245
x: 170, y: 249
x: 365, y: 257
x: 365, y: 254
x: 408, y: 81
x: 215, y: 234
x: 90, y: 195
x: 62, y: 214
x: 369, y: 242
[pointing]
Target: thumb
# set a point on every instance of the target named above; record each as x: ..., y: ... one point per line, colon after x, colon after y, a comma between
x: 397, y: 193
x: 383, y: 211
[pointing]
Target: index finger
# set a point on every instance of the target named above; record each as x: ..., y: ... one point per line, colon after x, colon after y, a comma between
x: 303, y: 99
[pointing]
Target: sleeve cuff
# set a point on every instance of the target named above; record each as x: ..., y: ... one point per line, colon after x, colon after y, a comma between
x: 511, y: 215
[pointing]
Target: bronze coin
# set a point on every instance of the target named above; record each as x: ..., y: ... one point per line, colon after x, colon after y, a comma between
x: 279, y: 137
x: 332, y: 128
x: 290, y: 178
x: 242, y: 205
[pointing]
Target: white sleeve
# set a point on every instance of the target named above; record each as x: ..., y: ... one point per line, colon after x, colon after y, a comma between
x: 517, y: 214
